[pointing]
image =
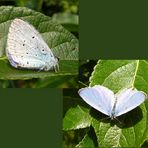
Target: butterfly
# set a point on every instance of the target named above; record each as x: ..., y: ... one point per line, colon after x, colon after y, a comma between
x: 113, y: 105
x: 27, y: 49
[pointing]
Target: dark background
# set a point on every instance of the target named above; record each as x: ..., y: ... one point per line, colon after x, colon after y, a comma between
x: 113, y: 29
x: 31, y: 118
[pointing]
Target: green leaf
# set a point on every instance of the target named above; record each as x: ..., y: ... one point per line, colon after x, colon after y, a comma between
x: 116, y: 75
x: 131, y: 132
x: 76, y: 117
x: 68, y: 20
x: 119, y: 74
x: 86, y: 142
x: 63, y: 44
x: 8, y: 72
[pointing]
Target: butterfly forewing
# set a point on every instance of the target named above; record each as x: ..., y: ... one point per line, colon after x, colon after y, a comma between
x: 99, y: 97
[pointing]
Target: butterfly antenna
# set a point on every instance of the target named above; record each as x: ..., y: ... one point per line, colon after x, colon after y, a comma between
x: 118, y: 121
x: 104, y: 118
x: 83, y: 83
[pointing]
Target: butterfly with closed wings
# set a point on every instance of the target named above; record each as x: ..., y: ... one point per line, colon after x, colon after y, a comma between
x: 26, y: 48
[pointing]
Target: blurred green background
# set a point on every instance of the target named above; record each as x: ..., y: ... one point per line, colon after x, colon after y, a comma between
x: 64, y: 12
x: 85, y: 70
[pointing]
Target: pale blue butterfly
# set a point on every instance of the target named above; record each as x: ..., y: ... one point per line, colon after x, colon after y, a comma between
x: 27, y: 49
x: 110, y: 104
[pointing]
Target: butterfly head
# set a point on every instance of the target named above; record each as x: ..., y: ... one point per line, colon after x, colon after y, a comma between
x: 113, y: 116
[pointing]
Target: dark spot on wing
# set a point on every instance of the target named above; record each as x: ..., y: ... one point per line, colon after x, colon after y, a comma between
x: 23, y: 44
x: 26, y: 52
x: 27, y: 62
x: 33, y: 37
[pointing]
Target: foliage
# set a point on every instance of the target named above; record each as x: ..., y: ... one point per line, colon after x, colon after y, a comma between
x: 48, y: 7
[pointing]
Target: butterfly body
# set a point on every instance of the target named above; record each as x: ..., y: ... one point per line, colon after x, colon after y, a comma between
x: 27, y: 49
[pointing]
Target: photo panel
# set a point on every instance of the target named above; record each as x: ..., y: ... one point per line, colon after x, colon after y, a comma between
x: 111, y: 100
x: 38, y: 48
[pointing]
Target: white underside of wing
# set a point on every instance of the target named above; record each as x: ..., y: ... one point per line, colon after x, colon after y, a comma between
x: 127, y: 100
x: 99, y: 97
x: 25, y: 44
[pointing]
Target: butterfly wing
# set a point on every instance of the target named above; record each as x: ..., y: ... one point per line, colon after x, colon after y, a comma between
x: 27, y: 63
x: 24, y: 42
x: 127, y: 100
x: 99, y: 97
